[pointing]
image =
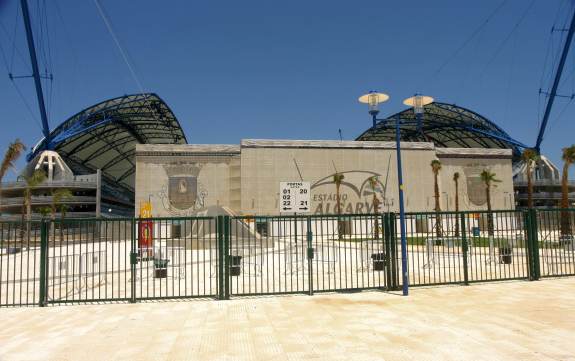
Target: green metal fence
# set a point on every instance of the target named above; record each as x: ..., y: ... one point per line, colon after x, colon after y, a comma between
x: 465, y: 247
x: 71, y: 261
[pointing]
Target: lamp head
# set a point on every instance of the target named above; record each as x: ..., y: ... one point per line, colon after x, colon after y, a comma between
x: 418, y: 101
x: 373, y: 99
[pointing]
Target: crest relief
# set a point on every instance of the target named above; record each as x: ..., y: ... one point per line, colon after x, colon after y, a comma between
x: 475, y: 187
x: 183, y: 184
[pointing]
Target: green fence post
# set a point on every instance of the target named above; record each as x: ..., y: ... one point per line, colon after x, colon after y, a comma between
x: 221, y: 256
x: 535, y: 244
x: 465, y: 249
x: 528, y: 230
x: 133, y: 261
x: 388, y: 254
x: 393, y: 242
x: 310, y: 254
x: 43, y: 263
x: 227, y: 257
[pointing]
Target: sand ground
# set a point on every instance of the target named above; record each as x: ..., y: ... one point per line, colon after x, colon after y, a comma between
x: 516, y: 320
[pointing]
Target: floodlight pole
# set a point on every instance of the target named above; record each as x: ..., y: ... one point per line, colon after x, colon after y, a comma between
x: 35, y: 72
x: 405, y: 279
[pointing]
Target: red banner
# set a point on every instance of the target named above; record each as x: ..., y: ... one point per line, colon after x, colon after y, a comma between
x: 145, y: 237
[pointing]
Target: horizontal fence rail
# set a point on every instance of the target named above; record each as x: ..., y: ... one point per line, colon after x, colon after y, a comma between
x: 132, y: 259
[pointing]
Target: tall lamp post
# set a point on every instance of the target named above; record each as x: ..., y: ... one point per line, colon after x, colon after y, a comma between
x: 373, y: 99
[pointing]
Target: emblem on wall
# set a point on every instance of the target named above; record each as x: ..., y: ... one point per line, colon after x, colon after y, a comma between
x: 475, y: 186
x: 184, y: 192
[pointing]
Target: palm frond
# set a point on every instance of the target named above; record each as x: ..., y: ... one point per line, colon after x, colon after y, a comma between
x: 14, y: 151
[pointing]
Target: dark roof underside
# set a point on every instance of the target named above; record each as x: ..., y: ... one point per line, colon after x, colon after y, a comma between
x: 447, y: 126
x: 105, y: 135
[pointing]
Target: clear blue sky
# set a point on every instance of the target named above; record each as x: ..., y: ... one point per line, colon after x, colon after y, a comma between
x: 293, y: 69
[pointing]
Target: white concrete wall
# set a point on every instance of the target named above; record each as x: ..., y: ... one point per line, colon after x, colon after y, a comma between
x: 246, y: 178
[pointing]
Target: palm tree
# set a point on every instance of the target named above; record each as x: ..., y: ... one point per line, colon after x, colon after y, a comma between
x: 568, y: 159
x: 14, y: 151
x: 58, y: 196
x: 33, y: 181
x: 375, y: 201
x: 44, y: 211
x: 338, y: 179
x: 488, y: 179
x: 456, y: 181
x: 530, y: 157
x: 436, y: 167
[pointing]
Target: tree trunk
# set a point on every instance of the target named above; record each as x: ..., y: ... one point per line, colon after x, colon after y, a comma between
x: 456, y: 208
x: 63, y: 215
x: 438, y: 226
x: 338, y: 204
x: 23, y: 226
x: 28, y: 215
x: 529, y: 187
x: 565, y: 220
x: 376, y: 211
x: 490, y: 228
x: 0, y: 196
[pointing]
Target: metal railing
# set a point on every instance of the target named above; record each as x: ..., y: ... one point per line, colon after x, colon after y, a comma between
x: 465, y: 247
x: 94, y: 260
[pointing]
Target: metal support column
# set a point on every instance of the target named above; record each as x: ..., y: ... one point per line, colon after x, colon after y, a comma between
x: 35, y: 71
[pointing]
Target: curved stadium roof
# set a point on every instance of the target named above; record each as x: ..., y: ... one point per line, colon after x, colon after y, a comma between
x: 447, y: 126
x: 104, y: 136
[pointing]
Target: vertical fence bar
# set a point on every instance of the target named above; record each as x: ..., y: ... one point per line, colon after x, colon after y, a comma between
x: 227, y: 232
x: 528, y: 246
x: 388, y: 250
x: 43, y: 263
x: 221, y: 257
x: 133, y: 260
x: 532, y: 244
x: 535, y: 244
x: 393, y: 242
x: 310, y: 254
x: 465, y: 249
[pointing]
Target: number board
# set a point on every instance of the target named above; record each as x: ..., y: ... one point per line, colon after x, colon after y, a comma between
x: 294, y: 197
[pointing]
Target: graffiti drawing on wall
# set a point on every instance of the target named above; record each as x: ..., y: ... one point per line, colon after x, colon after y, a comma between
x: 356, y: 193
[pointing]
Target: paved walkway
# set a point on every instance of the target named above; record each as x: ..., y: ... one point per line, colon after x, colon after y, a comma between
x: 512, y: 320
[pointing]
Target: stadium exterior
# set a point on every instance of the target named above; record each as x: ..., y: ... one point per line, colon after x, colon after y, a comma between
x: 96, y: 150
x: 446, y: 126
x: 451, y: 126
x: 98, y: 146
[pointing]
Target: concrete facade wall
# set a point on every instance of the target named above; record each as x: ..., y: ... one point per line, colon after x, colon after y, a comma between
x: 201, y: 176
x: 471, y: 189
x: 245, y: 179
